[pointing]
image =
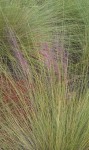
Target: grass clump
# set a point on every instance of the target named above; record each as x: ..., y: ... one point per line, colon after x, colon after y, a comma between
x: 44, y: 95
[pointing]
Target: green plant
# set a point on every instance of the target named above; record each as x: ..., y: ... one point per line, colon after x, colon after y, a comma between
x: 44, y: 95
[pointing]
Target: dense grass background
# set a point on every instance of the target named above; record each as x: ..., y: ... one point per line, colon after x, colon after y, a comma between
x: 44, y: 75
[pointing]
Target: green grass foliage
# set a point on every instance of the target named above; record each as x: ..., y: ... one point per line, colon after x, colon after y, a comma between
x: 44, y: 44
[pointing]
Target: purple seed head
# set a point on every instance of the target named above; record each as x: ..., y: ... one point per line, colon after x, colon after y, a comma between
x: 15, y: 50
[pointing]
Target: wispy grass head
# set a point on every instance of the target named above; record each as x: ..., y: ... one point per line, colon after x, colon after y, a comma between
x: 44, y: 100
